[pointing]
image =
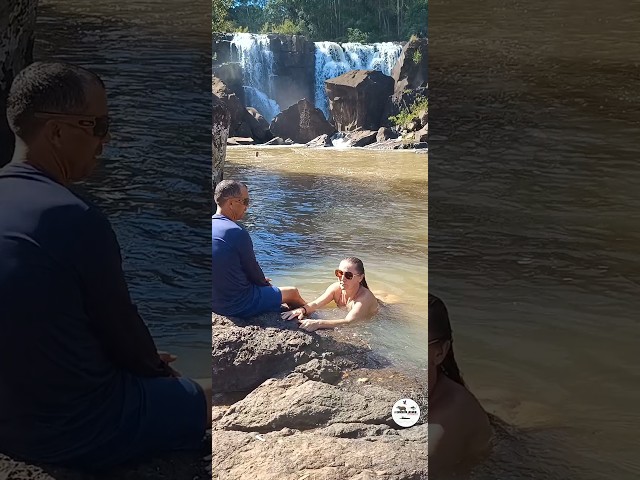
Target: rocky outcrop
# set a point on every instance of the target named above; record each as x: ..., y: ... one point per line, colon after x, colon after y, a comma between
x: 17, y: 27
x: 301, y: 122
x: 233, y: 103
x: 231, y: 75
x: 258, y: 125
x: 320, y: 406
x: 355, y: 99
x: 220, y: 121
x: 293, y: 65
x: 411, y: 70
x: 321, y: 141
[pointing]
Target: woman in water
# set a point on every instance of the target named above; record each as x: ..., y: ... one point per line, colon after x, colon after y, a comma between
x: 459, y: 429
x: 350, y: 292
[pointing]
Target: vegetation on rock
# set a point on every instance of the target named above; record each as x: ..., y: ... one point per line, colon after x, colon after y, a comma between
x: 411, y: 112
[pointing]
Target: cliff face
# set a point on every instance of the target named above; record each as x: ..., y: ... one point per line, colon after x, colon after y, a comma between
x: 293, y: 66
x: 17, y: 29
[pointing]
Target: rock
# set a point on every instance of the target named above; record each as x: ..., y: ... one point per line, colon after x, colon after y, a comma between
x: 320, y: 371
x: 258, y: 125
x: 221, y: 120
x: 298, y: 403
x: 423, y: 116
x: 314, y: 456
x: 422, y: 135
x: 231, y: 75
x: 243, y: 357
x: 323, y: 140
x: 275, y: 141
x: 234, y: 105
x: 17, y: 24
x: 301, y: 123
x: 385, y: 133
x: 360, y: 138
x: 409, y: 74
x: 354, y: 99
x: 312, y: 430
x: 412, y: 126
x: 235, y: 141
x: 288, y: 141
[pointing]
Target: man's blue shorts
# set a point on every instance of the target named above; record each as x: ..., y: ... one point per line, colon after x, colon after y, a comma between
x: 266, y: 299
x: 169, y: 414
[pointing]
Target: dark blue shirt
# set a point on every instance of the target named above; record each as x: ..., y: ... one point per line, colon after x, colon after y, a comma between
x: 236, y: 274
x: 71, y: 341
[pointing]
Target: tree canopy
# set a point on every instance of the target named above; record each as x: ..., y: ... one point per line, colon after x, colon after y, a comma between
x: 332, y: 20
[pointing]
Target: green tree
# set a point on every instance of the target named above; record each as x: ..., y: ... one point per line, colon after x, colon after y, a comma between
x: 219, y: 12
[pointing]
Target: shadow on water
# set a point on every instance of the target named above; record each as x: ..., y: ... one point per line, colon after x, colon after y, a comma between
x: 154, y: 179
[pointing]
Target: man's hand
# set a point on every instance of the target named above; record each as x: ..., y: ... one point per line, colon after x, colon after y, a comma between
x: 293, y: 314
x: 167, y: 357
x: 310, y: 325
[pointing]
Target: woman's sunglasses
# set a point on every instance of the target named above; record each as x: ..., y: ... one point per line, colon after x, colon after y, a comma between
x: 347, y: 275
x: 99, y: 125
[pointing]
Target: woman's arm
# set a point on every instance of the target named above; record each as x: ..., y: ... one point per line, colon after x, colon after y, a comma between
x: 357, y: 312
x: 311, y: 307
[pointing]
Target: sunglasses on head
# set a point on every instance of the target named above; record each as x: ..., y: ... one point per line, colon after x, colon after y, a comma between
x: 347, y: 275
x: 99, y: 125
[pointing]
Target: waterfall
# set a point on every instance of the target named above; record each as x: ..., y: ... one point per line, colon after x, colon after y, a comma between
x: 254, y: 55
x: 333, y: 59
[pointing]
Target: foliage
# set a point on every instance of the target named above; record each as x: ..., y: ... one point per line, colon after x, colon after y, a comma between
x: 333, y: 20
x: 412, y: 112
x: 356, y: 35
x: 416, y: 58
x: 219, y: 21
x: 287, y: 27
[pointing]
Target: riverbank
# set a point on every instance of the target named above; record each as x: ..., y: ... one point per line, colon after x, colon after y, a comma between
x: 289, y: 404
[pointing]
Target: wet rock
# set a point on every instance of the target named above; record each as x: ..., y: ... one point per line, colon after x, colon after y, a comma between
x: 385, y: 133
x: 422, y: 135
x: 221, y: 120
x: 258, y: 125
x: 323, y: 140
x: 235, y: 141
x: 354, y: 99
x: 275, y: 141
x: 301, y: 123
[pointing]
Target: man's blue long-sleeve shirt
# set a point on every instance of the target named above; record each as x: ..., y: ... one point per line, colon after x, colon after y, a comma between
x: 70, y: 338
x: 236, y: 273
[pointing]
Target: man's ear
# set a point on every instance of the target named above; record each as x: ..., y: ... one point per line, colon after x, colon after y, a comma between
x: 52, y: 131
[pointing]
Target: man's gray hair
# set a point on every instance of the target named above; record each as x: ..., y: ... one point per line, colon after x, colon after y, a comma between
x: 227, y: 189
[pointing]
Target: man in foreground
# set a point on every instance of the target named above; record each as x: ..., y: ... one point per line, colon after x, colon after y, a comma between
x: 81, y: 381
x: 239, y: 286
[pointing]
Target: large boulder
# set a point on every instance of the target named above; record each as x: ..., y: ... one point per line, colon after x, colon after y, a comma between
x: 334, y: 432
x: 411, y: 70
x: 355, y: 99
x: 221, y: 119
x: 301, y: 123
x: 232, y: 102
x: 231, y: 75
x: 17, y: 24
x: 258, y: 125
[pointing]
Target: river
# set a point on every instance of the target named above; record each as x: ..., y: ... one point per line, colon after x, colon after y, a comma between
x: 154, y: 183
x: 310, y: 208
x: 535, y: 226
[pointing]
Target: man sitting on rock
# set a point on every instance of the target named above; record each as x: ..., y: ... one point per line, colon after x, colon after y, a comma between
x: 81, y: 381
x: 240, y: 288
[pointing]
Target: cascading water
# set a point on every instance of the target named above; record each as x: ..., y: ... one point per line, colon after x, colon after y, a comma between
x: 333, y: 59
x: 254, y: 55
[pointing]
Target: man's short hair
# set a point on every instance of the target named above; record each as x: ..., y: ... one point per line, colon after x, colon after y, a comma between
x: 46, y: 87
x: 227, y: 189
